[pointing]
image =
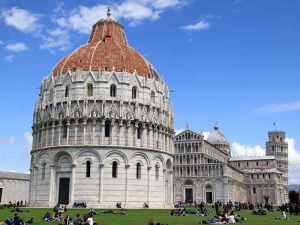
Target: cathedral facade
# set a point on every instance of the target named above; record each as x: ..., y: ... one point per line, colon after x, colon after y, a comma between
x: 103, y: 128
x: 205, y: 171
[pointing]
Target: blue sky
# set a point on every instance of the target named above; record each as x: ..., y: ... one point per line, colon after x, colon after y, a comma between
x: 234, y: 62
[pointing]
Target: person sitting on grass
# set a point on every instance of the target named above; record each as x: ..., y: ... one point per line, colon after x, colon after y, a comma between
x: 17, y: 220
x: 283, y: 216
x: 230, y: 218
x: 92, y: 212
x: 77, y: 220
x: 90, y: 221
x: 48, y: 217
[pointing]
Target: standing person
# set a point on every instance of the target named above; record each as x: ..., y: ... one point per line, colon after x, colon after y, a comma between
x: 217, y: 207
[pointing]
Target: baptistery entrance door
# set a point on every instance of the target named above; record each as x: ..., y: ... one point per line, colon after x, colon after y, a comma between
x: 64, y: 191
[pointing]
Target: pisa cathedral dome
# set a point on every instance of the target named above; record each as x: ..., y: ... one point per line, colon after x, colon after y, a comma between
x: 103, y: 128
x: 217, y: 138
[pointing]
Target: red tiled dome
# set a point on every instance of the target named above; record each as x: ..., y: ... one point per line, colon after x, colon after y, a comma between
x: 107, y: 50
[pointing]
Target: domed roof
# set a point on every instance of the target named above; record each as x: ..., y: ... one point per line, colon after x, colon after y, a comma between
x: 217, y: 137
x: 107, y: 50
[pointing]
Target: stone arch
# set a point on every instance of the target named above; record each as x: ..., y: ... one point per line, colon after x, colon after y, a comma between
x: 61, y: 154
x: 143, y: 155
x: 118, y: 153
x: 42, y: 157
x: 86, y: 151
x: 160, y: 158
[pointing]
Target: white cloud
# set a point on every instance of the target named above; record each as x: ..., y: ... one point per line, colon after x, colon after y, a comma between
x: 201, y: 25
x: 28, y: 144
x: 178, y: 131
x: 16, y: 47
x: 20, y: 19
x: 294, y: 162
x: 82, y: 18
x: 9, y: 58
x: 285, y: 107
x: 58, y: 38
x: 205, y: 134
x: 162, y: 4
x: 7, y: 140
x: 238, y: 150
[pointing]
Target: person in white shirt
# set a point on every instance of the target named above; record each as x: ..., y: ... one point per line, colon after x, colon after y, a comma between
x: 230, y: 218
x: 90, y: 221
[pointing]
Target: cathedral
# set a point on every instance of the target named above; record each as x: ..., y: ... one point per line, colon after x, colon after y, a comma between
x: 205, y: 171
x: 103, y: 133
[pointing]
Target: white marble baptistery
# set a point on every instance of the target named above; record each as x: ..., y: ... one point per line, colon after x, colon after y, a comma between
x: 103, y: 128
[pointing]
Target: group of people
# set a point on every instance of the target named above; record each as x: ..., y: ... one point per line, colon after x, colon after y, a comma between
x: 151, y: 222
x: 79, y: 205
x: 15, y: 204
x: 224, y: 218
x: 87, y: 219
x: 16, y: 220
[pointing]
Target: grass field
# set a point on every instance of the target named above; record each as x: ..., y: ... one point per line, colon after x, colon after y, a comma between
x: 141, y: 217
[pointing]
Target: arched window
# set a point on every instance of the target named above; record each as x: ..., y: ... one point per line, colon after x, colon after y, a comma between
x: 90, y: 90
x: 113, y: 90
x: 254, y: 190
x: 88, y: 169
x: 157, y: 172
x: 134, y: 92
x: 107, y: 128
x: 139, y: 131
x: 152, y: 96
x: 67, y: 91
x: 114, y: 169
x: 65, y: 130
x: 43, y: 170
x: 138, y: 170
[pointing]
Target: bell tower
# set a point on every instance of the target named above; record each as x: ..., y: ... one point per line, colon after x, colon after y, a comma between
x: 278, y: 147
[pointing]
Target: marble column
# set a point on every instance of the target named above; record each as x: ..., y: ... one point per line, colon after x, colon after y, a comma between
x: 94, y: 128
x: 148, y: 184
x: 52, y: 201
x: 52, y: 135
x: 126, y: 184
x: 68, y: 132
x: 84, y: 130
x: 101, y: 167
x: 76, y: 130
x: 59, y: 131
x: 121, y: 133
x: 72, y: 183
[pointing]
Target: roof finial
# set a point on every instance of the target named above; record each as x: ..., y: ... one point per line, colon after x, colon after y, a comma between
x: 187, y: 126
x: 274, y: 124
x: 216, y: 127
x: 108, y: 12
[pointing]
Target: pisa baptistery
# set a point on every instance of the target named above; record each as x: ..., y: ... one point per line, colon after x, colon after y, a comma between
x: 103, y: 128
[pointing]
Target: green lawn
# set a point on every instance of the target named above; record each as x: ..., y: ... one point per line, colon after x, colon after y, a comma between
x: 141, y: 217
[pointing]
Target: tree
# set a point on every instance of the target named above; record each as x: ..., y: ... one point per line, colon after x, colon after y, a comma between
x: 294, y: 196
